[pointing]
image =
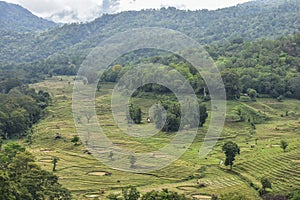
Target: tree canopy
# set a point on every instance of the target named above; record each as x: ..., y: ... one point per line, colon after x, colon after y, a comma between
x: 21, y: 178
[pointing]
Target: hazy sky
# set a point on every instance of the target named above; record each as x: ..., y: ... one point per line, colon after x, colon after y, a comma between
x: 89, y: 9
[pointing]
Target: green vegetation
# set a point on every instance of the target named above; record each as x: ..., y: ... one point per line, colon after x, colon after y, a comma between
x: 264, y: 159
x: 266, y: 184
x: 269, y: 67
x: 256, y: 47
x: 131, y: 193
x: 135, y: 114
x: 55, y: 160
x: 231, y: 150
x: 283, y: 145
x: 21, y: 178
x: 20, y: 108
x: 60, y: 51
x: 75, y: 139
x: 173, y: 116
x: 24, y: 22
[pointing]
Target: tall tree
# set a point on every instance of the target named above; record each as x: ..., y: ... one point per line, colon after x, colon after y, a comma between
x: 230, y: 149
x: 54, y: 161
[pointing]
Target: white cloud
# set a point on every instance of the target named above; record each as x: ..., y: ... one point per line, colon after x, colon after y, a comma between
x: 84, y: 10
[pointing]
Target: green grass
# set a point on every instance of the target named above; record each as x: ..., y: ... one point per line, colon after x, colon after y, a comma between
x: 265, y: 159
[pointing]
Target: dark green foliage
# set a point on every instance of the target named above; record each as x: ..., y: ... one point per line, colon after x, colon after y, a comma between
x: 236, y: 24
x: 54, y: 161
x: 294, y: 87
x: 25, y: 21
x: 265, y: 184
x: 130, y: 193
x: 21, y: 178
x: 295, y: 196
x: 135, y: 114
x: 268, y: 67
x: 230, y: 149
x: 203, y: 114
x: 75, y: 139
x: 283, y: 145
x: 165, y: 194
x: 8, y: 84
x: 32, y: 56
x: 173, y: 116
x: 232, y: 84
x: 252, y: 94
x: 20, y: 107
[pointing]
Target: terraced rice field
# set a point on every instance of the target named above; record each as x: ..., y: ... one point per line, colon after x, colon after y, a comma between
x: 77, y: 169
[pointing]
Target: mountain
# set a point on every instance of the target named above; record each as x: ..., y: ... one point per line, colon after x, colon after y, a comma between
x: 247, y: 22
x: 16, y: 18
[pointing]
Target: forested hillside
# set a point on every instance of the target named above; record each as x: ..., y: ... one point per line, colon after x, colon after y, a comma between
x: 15, y: 18
x: 258, y: 19
x: 269, y: 67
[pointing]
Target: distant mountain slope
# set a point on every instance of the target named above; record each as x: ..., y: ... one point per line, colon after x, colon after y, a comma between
x: 249, y: 21
x: 16, y: 18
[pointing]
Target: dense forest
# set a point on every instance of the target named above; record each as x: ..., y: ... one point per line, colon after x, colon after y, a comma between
x: 21, y: 178
x: 14, y: 18
x: 61, y: 49
x: 20, y: 108
x: 267, y: 67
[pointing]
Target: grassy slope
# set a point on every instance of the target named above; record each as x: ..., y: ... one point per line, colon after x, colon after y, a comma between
x: 266, y: 158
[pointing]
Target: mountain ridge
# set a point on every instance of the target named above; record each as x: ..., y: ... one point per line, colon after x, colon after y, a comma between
x: 249, y: 21
x: 14, y: 17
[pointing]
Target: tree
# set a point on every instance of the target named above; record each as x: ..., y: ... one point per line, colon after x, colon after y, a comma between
x: 6, y: 189
x: 265, y: 183
x: 283, y: 145
x: 203, y: 114
x: 172, y: 123
x: 75, y: 140
x: 230, y: 149
x: 231, y: 83
x: 10, y: 150
x: 295, y: 196
x: 54, y: 161
x: 294, y: 87
x: 131, y: 193
x: 252, y: 94
x: 135, y: 114
x: 165, y: 194
x: 132, y: 160
x: 22, y: 178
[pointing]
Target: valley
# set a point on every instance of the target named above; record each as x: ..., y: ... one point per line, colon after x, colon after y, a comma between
x: 84, y: 175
